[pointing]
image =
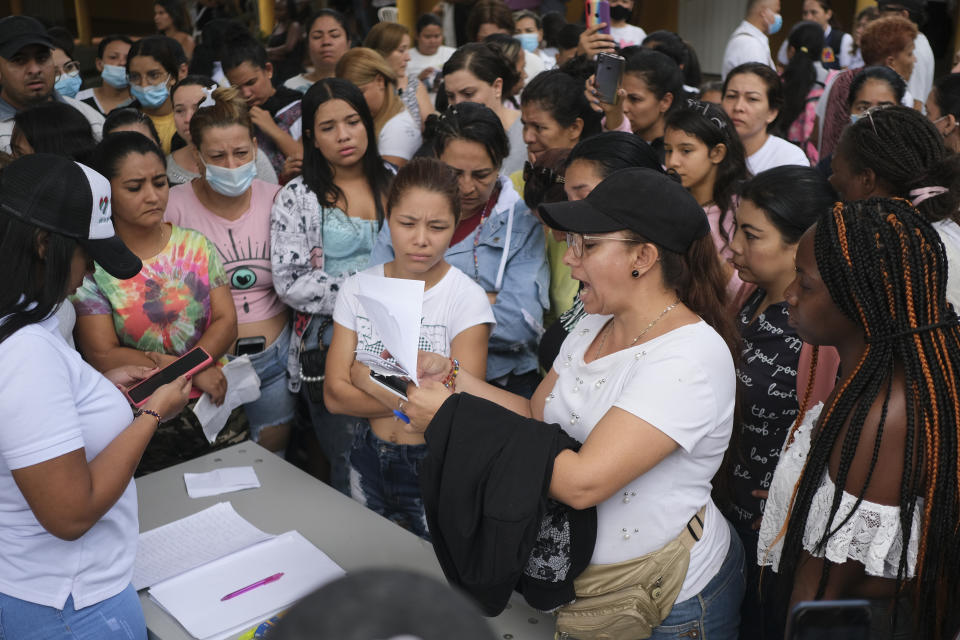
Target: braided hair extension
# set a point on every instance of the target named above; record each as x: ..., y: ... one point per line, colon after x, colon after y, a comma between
x: 905, y: 152
x: 885, y: 268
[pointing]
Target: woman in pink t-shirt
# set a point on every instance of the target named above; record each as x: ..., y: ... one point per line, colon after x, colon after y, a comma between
x: 232, y: 208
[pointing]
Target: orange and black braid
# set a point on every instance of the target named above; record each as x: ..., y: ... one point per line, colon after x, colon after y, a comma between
x: 885, y: 268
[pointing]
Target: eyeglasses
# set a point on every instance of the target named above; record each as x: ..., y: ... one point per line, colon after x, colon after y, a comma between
x: 71, y: 69
x: 543, y: 174
x: 152, y: 78
x: 575, y: 241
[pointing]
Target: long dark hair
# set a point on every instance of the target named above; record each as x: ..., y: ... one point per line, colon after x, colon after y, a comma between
x: 177, y: 13
x: 317, y: 173
x: 26, y: 278
x: 160, y: 48
x: 55, y: 127
x: 806, y: 39
x: 712, y: 126
x: 886, y: 269
x: 115, y: 147
x: 905, y: 152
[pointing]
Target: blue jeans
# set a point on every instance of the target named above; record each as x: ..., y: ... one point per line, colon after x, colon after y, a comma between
x: 714, y: 613
x: 276, y: 405
x: 384, y: 478
x: 116, y: 618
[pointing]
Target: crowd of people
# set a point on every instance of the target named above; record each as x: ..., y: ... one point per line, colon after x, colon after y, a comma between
x: 736, y: 295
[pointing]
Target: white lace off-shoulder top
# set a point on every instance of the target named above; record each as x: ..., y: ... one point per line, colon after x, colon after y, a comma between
x: 872, y: 536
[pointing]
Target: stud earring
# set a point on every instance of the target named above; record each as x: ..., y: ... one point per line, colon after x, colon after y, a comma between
x: 635, y: 273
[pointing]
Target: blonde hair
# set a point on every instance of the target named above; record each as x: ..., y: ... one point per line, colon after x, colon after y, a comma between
x: 229, y: 108
x: 361, y: 66
x: 385, y: 37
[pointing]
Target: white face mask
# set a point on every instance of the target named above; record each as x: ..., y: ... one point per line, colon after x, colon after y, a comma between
x: 231, y: 182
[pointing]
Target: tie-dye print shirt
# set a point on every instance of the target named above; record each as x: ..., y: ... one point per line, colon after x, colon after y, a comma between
x: 166, y: 307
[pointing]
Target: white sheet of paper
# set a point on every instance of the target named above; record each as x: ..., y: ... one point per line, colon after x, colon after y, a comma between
x: 211, y: 483
x: 194, y: 598
x: 181, y: 545
x: 395, y: 308
x: 243, y: 386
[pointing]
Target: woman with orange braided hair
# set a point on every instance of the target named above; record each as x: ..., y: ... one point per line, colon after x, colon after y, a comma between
x: 864, y: 501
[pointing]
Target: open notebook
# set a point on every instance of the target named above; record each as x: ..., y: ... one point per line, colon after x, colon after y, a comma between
x: 226, y: 553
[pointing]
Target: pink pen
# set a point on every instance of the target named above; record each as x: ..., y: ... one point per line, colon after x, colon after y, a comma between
x: 250, y: 587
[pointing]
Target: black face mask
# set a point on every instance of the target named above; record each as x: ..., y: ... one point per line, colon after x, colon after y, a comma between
x: 620, y: 12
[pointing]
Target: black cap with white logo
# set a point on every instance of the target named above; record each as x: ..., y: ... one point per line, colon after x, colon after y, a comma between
x: 66, y: 197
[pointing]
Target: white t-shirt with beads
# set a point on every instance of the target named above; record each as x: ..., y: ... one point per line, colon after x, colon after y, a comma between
x: 682, y: 383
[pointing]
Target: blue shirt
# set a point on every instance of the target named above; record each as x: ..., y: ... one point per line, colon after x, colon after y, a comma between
x: 522, y: 295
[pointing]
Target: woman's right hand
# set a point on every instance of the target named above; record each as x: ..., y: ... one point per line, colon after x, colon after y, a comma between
x: 593, y: 42
x: 171, y: 398
x: 612, y: 112
x: 211, y: 380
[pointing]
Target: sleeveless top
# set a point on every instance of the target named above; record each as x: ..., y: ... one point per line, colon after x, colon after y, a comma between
x: 347, y: 242
x: 872, y: 536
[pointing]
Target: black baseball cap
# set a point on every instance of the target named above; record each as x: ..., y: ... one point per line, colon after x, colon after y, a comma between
x: 649, y: 202
x: 57, y: 194
x: 16, y: 32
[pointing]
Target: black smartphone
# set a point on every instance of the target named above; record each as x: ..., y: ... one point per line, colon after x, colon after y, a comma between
x: 609, y: 74
x: 830, y: 620
x: 393, y: 384
x: 250, y: 346
x: 190, y: 362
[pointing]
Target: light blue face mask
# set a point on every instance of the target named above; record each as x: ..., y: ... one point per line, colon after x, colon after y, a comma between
x: 777, y: 24
x: 68, y: 85
x: 152, y: 96
x: 854, y: 117
x: 115, y: 76
x: 231, y: 182
x: 529, y: 41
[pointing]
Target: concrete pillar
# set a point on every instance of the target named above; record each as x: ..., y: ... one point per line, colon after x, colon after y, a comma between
x: 265, y: 10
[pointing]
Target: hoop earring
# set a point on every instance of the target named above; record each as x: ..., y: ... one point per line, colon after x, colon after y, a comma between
x: 635, y: 273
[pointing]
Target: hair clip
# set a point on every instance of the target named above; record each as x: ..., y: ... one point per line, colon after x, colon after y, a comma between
x: 804, y: 49
x: 208, y: 101
x: 925, y: 193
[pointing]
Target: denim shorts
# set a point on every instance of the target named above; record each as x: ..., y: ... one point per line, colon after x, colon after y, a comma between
x: 276, y: 404
x: 714, y: 613
x: 116, y: 618
x: 384, y: 477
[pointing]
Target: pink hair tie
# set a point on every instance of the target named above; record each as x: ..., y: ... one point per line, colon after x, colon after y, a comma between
x: 925, y: 193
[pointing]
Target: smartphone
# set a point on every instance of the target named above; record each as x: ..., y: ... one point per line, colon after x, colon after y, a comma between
x: 608, y: 76
x: 830, y: 620
x: 250, y: 346
x: 598, y: 11
x: 393, y: 384
x: 189, y: 363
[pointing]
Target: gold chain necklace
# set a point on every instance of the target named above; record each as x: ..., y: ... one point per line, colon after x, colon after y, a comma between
x: 603, y: 339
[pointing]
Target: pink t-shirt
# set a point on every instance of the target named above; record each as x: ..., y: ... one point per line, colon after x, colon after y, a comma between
x: 723, y: 246
x: 243, y: 245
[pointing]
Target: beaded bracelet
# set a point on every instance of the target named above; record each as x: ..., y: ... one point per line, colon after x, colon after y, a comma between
x: 148, y: 412
x: 450, y: 382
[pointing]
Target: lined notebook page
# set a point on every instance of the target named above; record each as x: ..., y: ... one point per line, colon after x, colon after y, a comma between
x: 190, y: 542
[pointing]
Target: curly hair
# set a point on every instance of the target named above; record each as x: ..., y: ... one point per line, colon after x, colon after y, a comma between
x: 885, y: 37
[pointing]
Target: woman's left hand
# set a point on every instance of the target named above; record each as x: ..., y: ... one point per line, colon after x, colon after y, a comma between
x: 128, y: 375
x: 423, y: 402
x: 263, y: 120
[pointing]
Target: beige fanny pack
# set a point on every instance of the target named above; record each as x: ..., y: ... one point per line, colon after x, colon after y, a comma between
x: 627, y: 600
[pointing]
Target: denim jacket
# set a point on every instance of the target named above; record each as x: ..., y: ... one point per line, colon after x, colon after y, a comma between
x: 524, y: 282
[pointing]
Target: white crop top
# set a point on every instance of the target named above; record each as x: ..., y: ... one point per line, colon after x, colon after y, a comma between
x: 872, y: 536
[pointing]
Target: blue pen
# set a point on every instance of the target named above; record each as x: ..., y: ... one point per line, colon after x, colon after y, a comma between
x: 401, y: 415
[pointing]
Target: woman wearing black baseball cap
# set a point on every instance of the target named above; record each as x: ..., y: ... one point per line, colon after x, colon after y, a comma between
x: 646, y: 381
x: 69, y: 442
